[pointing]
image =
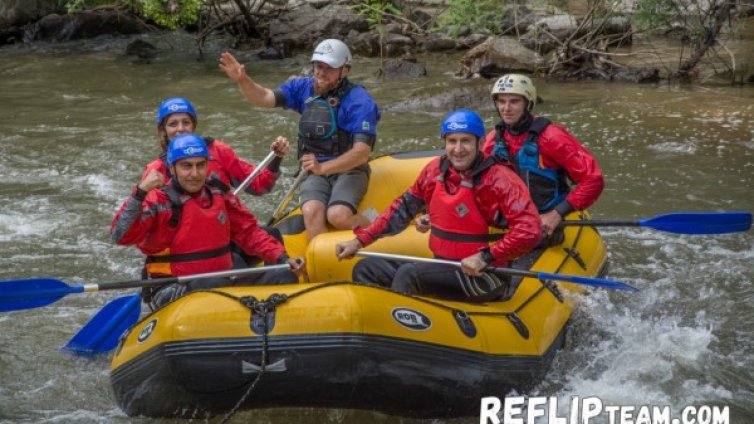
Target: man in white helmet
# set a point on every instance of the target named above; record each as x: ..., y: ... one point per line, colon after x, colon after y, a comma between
x: 545, y: 155
x: 337, y: 131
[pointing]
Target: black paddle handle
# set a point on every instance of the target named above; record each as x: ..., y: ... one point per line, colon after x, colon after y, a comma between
x: 137, y: 283
x: 598, y: 224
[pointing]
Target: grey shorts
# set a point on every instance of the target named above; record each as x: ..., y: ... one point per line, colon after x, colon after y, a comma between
x: 347, y: 188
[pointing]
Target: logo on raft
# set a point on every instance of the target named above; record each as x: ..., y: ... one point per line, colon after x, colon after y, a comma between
x: 146, y: 331
x: 411, y: 319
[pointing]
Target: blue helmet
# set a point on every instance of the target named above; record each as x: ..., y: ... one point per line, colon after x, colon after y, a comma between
x: 186, y: 146
x: 462, y: 120
x: 175, y: 105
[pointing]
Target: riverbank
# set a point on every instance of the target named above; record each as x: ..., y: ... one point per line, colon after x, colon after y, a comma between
x: 558, y: 44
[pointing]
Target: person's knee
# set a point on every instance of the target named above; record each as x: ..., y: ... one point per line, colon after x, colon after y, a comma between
x: 405, y: 280
x: 313, y: 210
x: 361, y: 273
x: 165, y: 295
x: 373, y: 272
x: 340, y: 217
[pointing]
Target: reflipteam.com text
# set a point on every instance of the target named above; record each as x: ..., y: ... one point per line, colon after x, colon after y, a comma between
x: 534, y: 410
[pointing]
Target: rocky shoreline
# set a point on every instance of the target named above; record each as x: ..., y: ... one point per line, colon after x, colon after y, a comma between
x: 529, y: 42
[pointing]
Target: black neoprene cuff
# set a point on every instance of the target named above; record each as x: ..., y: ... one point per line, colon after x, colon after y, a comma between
x: 487, y: 255
x: 283, y: 258
x: 274, y: 165
x: 139, y: 194
x: 564, y: 208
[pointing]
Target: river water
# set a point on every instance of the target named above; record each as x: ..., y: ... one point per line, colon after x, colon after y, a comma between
x: 77, y: 127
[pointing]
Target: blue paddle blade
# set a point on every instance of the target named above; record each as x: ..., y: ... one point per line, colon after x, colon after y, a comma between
x: 32, y: 293
x: 700, y: 222
x: 102, y: 333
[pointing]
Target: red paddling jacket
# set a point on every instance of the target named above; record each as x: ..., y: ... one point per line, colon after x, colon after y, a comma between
x: 560, y: 151
x: 462, y: 207
x: 184, y: 234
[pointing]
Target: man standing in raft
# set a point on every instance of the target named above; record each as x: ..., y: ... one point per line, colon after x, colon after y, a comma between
x: 186, y: 227
x: 337, y: 131
x: 544, y: 154
x: 464, y: 194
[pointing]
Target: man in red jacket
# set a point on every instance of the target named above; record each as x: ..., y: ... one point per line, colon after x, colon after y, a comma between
x: 544, y: 154
x: 186, y: 227
x: 464, y: 195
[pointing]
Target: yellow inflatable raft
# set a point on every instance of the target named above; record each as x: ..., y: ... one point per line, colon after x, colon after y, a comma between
x: 330, y: 343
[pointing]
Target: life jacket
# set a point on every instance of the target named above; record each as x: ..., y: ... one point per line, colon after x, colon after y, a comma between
x: 201, y: 242
x: 318, y: 131
x: 547, y: 186
x: 458, y: 227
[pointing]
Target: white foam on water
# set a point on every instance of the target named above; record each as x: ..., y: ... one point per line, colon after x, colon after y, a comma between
x: 670, y: 343
x: 47, y: 385
x: 72, y: 97
x: 78, y: 416
x: 16, y: 225
x: 674, y: 147
x: 635, y: 360
x: 101, y: 185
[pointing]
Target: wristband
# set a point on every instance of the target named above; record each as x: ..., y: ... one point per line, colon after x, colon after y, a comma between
x: 487, y: 255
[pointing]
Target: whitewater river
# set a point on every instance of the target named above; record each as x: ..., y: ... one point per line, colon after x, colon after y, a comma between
x: 77, y: 127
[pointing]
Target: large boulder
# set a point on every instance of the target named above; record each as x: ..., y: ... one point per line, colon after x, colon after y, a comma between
x: 437, y: 42
x: 397, y: 45
x: 403, y: 69
x: 15, y: 13
x: 302, y: 27
x: 84, y: 25
x: 363, y: 43
x: 473, y: 97
x: 548, y: 32
x: 499, y: 55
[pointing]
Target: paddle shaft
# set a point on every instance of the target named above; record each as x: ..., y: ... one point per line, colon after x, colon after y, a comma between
x: 266, y: 161
x: 600, y: 224
x: 288, y: 196
x: 402, y: 258
x: 597, y: 282
x: 169, y: 280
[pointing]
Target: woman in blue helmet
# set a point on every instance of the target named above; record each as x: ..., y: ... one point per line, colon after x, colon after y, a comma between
x: 464, y: 195
x: 176, y: 116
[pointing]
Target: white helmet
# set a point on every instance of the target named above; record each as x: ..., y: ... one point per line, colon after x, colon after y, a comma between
x: 515, y: 84
x: 332, y: 52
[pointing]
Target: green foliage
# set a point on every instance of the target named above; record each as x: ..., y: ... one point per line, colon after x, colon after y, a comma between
x: 374, y: 11
x: 476, y: 14
x: 650, y: 15
x: 696, y: 18
x: 172, y: 14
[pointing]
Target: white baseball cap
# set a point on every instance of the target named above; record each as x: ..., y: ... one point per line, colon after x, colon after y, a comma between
x: 332, y: 52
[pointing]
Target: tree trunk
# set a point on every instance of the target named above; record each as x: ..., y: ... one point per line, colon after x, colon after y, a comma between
x: 722, y: 14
